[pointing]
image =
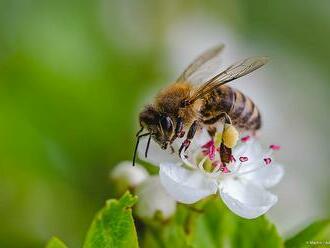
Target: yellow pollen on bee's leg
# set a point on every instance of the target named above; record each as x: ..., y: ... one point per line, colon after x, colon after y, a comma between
x: 230, y: 136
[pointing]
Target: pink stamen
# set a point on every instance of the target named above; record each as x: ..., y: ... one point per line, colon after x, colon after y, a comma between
x: 245, y: 138
x: 275, y: 147
x: 267, y: 161
x: 224, y: 169
x: 209, y: 149
x: 243, y: 159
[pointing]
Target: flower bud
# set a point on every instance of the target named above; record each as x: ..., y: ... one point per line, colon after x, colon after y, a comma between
x: 128, y: 176
x: 230, y: 136
x: 153, y: 199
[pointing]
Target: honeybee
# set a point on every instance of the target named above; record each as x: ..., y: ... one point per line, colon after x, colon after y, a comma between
x: 191, y: 103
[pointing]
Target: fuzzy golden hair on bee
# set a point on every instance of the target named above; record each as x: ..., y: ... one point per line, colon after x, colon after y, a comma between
x: 169, y: 99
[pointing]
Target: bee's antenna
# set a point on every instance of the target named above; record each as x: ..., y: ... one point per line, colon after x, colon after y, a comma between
x: 136, y: 146
x: 138, y: 133
x: 147, y: 147
x: 138, y: 136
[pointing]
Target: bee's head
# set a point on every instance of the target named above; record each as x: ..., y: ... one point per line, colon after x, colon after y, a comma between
x: 159, y: 125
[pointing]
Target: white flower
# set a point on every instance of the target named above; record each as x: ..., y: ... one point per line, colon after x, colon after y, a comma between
x: 129, y: 175
x: 242, y: 184
x: 152, y: 196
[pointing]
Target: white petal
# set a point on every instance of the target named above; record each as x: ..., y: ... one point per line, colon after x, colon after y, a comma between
x: 246, y: 199
x: 240, y: 149
x: 201, y: 138
x: 128, y: 174
x: 253, y: 151
x: 156, y: 155
x: 267, y: 176
x: 184, y: 185
x: 152, y: 197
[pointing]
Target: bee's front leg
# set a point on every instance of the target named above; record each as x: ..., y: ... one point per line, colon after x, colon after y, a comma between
x: 178, y: 130
x: 190, y: 136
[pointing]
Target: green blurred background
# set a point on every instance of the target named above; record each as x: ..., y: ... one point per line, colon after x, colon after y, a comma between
x: 74, y: 74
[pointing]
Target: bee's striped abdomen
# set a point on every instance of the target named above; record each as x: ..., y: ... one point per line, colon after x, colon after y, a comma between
x: 242, y: 111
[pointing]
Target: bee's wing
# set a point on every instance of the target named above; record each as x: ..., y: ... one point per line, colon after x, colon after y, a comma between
x: 203, y: 66
x: 233, y: 72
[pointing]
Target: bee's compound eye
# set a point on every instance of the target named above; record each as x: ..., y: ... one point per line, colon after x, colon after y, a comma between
x: 166, y: 123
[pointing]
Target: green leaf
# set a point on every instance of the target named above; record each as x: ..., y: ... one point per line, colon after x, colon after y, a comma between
x: 209, y: 223
x: 113, y: 226
x: 54, y: 242
x: 317, y: 233
x: 168, y: 233
x: 224, y: 228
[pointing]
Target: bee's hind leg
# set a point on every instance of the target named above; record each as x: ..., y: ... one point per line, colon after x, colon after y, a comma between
x: 225, y: 152
x: 226, y: 118
x: 212, y: 130
x: 191, y: 133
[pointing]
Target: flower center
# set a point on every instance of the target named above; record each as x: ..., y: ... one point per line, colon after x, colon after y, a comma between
x: 208, y: 160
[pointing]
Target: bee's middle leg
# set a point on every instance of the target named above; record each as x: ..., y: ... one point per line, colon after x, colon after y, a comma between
x: 191, y: 133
